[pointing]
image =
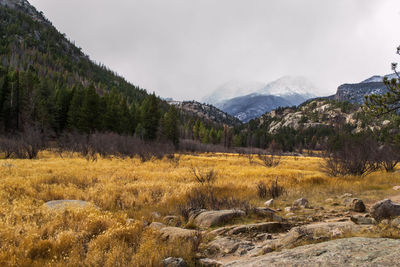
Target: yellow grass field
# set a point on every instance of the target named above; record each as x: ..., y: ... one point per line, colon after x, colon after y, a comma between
x: 31, y: 235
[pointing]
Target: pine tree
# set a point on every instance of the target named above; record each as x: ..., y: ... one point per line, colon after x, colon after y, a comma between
x: 170, y: 125
x: 89, y: 114
x: 150, y: 116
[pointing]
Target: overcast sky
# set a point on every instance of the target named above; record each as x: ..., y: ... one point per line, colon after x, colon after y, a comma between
x: 186, y: 48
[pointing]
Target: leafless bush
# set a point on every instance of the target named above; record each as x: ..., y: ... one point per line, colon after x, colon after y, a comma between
x: 268, y: 161
x: 352, y: 157
x: 174, y: 159
x: 209, y: 198
x: 388, y: 156
x: 204, y: 176
x: 274, y: 190
x: 262, y: 190
x: 24, y: 145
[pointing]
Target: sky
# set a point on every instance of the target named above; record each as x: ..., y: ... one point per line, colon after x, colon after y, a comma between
x: 185, y: 49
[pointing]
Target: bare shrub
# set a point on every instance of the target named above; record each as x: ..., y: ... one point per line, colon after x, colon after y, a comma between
x: 275, y: 190
x: 351, y: 156
x: 268, y: 161
x: 388, y: 156
x: 204, y: 176
x: 262, y: 190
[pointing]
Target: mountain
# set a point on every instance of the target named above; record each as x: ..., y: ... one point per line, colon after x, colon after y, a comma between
x: 231, y: 90
x: 355, y: 93
x: 252, y: 106
x: 286, y: 91
x: 207, y: 112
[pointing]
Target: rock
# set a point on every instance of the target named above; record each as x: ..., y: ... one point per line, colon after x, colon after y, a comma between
x: 289, y: 209
x: 170, y: 233
x: 267, y: 213
x: 208, y: 219
x: 329, y: 200
x: 157, y: 225
x: 355, y: 204
x: 174, y: 262
x: 302, y: 203
x: 356, y: 251
x: 358, y: 219
x: 172, y: 221
x: 269, y: 203
x: 209, y: 263
x: 385, y: 209
x: 317, y: 231
x: 346, y: 195
x: 267, y: 227
x: 224, y: 245
x: 397, y: 187
x: 155, y: 215
x: 395, y: 222
x: 56, y: 205
x: 267, y: 249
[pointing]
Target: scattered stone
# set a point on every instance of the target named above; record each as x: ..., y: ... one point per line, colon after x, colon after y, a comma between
x: 269, y: 203
x: 356, y: 251
x: 155, y: 215
x: 289, y: 209
x: 397, y: 187
x: 267, y: 227
x: 356, y: 204
x: 395, y: 222
x: 172, y: 221
x: 385, y: 209
x: 209, y: 263
x: 346, y: 195
x: 170, y: 233
x: 329, y: 200
x: 56, y: 205
x: 267, y: 249
x: 302, y: 203
x: 317, y: 231
x: 174, y: 262
x: 157, y: 225
x: 208, y: 219
x: 224, y: 245
x: 358, y: 219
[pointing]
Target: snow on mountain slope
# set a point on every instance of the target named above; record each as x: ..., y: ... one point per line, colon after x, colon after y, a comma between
x: 290, y: 85
x: 379, y: 79
x: 231, y: 90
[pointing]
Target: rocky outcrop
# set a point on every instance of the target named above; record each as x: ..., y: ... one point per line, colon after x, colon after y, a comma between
x: 169, y: 233
x: 355, y: 204
x: 385, y: 209
x: 174, y: 262
x: 355, y: 251
x: 212, y: 218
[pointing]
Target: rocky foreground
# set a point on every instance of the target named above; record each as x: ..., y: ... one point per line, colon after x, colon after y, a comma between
x: 356, y: 251
x: 304, y: 236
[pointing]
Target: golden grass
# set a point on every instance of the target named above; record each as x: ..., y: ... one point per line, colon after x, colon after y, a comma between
x: 127, y: 188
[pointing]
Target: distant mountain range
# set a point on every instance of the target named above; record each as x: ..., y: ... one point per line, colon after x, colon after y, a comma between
x: 355, y: 93
x: 247, y: 101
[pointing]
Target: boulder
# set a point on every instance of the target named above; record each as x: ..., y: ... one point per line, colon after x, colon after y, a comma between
x: 301, y: 203
x: 358, y: 219
x: 172, y: 221
x: 208, y: 219
x: 170, y: 233
x: 266, y: 227
x: 265, y: 212
x: 397, y: 187
x: 56, y: 205
x: 269, y: 203
x: 356, y: 251
x: 395, y: 222
x: 385, y: 209
x: 317, y: 231
x: 174, y: 262
x: 355, y: 204
x: 209, y: 263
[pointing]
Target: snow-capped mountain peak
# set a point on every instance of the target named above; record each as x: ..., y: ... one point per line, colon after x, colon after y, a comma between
x: 290, y: 85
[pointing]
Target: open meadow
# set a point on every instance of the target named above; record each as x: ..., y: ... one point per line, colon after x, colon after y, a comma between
x: 128, y: 194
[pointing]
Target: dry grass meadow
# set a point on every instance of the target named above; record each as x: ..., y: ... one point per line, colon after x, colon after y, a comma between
x: 122, y: 189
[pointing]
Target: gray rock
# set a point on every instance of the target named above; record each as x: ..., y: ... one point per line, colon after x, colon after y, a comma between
x: 174, y: 262
x: 354, y: 204
x: 172, y: 221
x: 267, y: 227
x: 395, y: 222
x: 355, y: 251
x: 385, y: 209
x: 317, y: 231
x: 216, y: 217
x: 358, y: 219
x: 302, y: 203
x: 63, y: 204
x: 346, y: 195
x: 157, y: 225
x: 269, y: 203
x: 209, y: 263
x: 179, y: 234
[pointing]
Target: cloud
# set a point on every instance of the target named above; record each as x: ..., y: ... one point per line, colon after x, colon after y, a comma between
x: 185, y: 48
